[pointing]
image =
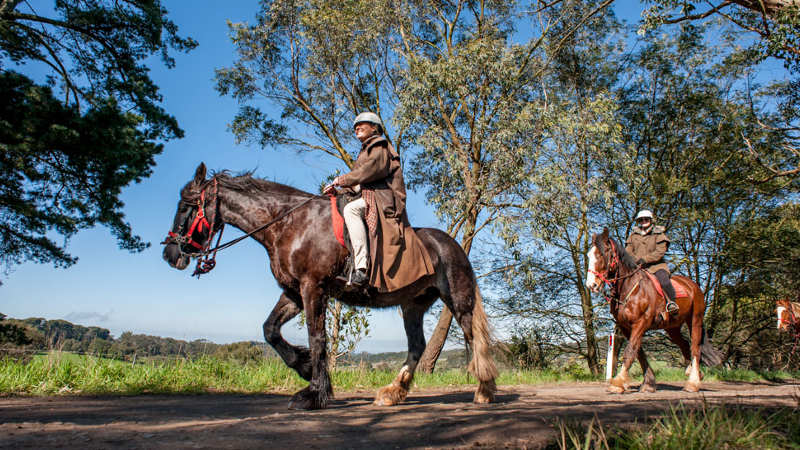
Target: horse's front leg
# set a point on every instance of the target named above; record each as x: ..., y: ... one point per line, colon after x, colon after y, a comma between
x: 298, y: 358
x: 398, y: 390
x: 623, y: 381
x: 319, y: 390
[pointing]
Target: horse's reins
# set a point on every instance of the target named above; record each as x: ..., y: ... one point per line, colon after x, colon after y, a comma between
x: 205, y: 263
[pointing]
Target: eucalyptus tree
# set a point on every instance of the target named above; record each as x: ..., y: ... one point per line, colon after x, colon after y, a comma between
x: 70, y: 143
x: 466, y: 104
x: 551, y: 215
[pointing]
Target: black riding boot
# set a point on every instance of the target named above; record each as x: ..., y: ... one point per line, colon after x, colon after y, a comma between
x: 663, y: 279
x: 360, y: 277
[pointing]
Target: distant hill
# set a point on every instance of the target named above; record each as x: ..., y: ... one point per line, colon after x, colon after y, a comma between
x: 41, y: 334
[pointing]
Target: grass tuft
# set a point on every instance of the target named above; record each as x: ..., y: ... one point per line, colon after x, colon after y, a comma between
x: 682, y: 427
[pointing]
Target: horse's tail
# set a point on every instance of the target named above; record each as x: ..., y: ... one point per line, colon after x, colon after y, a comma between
x: 482, y: 365
x: 709, y: 356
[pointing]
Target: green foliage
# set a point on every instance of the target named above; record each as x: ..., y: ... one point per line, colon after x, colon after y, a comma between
x: 66, y: 155
x: 320, y: 62
x: 11, y: 333
x: 706, y: 427
x: 776, y: 23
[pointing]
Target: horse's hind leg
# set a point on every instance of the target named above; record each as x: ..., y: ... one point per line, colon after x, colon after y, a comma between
x: 298, y: 358
x: 676, y: 336
x: 467, y: 306
x: 696, y: 325
x: 412, y: 320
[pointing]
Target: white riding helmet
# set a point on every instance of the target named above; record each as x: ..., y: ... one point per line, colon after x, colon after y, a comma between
x: 644, y: 214
x: 369, y: 117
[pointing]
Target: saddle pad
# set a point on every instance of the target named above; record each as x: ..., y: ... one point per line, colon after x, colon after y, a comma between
x: 680, y: 292
x: 338, y: 222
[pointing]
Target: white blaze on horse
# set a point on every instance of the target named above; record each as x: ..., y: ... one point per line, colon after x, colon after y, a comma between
x: 788, y: 315
x: 636, y: 304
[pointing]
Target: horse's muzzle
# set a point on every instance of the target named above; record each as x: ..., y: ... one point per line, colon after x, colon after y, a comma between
x: 174, y: 257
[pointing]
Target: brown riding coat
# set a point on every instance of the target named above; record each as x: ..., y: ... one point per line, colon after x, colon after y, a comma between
x: 650, y: 245
x: 397, y: 257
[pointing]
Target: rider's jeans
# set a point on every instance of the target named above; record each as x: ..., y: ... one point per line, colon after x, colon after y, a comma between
x: 354, y: 218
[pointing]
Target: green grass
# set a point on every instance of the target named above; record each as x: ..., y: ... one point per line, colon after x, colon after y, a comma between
x: 56, y: 372
x: 681, y: 428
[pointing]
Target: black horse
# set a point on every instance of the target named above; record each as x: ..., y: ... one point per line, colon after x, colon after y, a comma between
x: 306, y: 258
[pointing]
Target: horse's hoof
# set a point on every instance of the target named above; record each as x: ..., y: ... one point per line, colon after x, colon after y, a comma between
x: 390, y: 395
x: 613, y: 389
x: 692, y: 387
x: 647, y: 388
x: 308, y: 400
x: 485, y: 392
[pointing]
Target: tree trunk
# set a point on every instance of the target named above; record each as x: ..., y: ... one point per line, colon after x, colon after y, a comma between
x: 427, y: 361
x: 588, y: 328
x: 336, y: 326
x: 770, y: 7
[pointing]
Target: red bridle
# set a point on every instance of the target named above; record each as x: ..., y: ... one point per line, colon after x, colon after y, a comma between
x: 199, y: 224
x: 614, y: 261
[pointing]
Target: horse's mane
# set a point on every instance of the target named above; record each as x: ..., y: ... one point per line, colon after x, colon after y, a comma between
x: 246, y: 182
x: 625, y: 257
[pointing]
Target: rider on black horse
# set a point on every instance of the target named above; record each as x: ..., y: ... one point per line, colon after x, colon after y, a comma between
x: 397, y: 258
x: 648, y: 243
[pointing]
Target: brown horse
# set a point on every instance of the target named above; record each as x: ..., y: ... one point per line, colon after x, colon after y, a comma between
x: 305, y: 258
x: 637, y: 306
x: 788, y: 315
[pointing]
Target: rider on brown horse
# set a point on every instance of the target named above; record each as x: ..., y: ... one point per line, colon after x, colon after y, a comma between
x: 648, y: 243
x: 396, y: 255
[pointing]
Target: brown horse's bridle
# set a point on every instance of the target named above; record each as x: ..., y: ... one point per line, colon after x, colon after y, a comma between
x: 611, y: 282
x: 604, y: 275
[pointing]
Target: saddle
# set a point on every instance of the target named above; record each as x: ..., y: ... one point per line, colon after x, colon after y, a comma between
x: 339, y: 226
x: 680, y: 292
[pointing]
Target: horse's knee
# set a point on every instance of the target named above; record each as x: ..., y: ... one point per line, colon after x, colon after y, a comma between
x: 272, y: 334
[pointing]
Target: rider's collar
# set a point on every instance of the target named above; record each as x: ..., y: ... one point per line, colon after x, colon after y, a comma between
x: 370, y: 140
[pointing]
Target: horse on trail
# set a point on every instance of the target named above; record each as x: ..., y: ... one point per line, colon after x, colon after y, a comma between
x: 637, y: 306
x: 305, y: 258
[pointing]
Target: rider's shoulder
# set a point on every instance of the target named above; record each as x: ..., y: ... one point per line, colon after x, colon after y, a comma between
x: 377, y: 141
x: 658, y: 229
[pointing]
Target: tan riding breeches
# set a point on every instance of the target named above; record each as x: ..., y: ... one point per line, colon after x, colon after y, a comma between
x: 354, y: 218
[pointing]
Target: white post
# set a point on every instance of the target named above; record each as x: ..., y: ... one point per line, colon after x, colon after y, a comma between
x: 610, y: 358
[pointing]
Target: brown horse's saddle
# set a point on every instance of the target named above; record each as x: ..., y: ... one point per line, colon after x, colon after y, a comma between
x: 680, y: 291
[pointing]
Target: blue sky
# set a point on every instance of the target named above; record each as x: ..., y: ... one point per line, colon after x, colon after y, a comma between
x: 139, y: 292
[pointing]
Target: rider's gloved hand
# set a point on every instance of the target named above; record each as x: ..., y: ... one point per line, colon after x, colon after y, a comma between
x: 331, y: 188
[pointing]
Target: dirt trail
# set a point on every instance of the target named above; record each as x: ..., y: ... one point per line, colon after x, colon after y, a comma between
x: 521, y: 417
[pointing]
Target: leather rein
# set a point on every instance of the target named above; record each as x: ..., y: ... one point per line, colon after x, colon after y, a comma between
x: 206, y: 258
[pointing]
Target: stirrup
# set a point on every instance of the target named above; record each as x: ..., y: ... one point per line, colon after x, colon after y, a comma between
x: 358, y: 278
x: 672, y: 308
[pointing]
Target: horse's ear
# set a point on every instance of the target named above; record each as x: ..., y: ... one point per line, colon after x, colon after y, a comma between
x: 604, y: 235
x: 200, y: 173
